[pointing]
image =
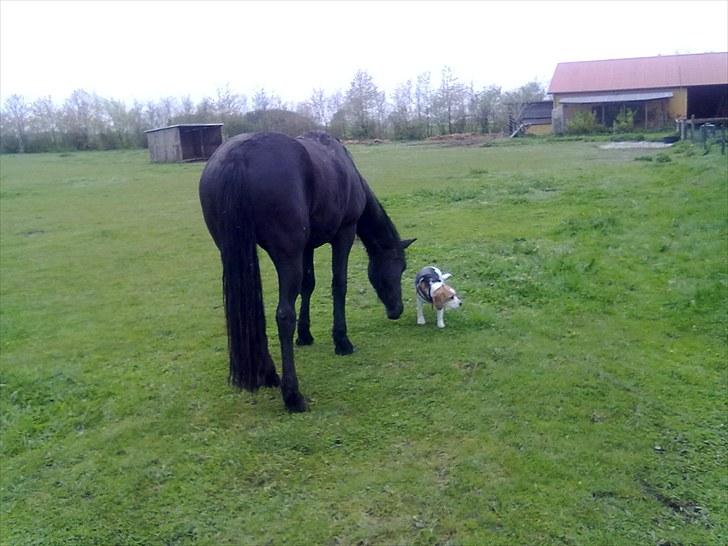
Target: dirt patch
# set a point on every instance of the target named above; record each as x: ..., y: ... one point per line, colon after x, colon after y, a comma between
x: 368, y: 142
x: 688, y: 510
x: 462, y: 139
x: 31, y: 232
x: 634, y: 145
x: 457, y: 139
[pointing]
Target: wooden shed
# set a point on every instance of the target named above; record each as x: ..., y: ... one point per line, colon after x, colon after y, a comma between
x: 184, y: 142
x: 659, y: 90
x: 534, y: 119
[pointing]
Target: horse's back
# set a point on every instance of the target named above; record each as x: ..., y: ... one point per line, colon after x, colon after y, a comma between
x: 271, y: 171
x: 301, y: 190
x: 270, y: 164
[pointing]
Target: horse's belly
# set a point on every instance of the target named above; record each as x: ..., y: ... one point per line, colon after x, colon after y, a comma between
x: 325, y: 227
x: 320, y: 237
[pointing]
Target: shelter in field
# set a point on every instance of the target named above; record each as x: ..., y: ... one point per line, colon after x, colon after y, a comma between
x: 184, y: 142
x: 534, y: 119
x: 658, y: 90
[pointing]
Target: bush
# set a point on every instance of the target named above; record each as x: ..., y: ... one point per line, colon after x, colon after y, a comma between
x: 624, y: 122
x: 584, y: 123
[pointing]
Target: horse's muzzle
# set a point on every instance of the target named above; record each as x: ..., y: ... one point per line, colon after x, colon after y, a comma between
x: 394, y: 314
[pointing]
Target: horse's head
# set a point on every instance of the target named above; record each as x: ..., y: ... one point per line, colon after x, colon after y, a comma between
x: 385, y: 274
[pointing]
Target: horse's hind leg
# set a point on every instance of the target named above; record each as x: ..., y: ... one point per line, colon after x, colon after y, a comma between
x: 289, y: 285
x: 307, y: 285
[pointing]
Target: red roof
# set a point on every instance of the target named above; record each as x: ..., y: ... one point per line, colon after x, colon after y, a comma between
x: 641, y: 73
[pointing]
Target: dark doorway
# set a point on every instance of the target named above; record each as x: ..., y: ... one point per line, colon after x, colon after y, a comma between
x: 708, y: 101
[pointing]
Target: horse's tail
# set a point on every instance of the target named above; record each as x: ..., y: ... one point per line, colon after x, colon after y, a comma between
x: 242, y: 288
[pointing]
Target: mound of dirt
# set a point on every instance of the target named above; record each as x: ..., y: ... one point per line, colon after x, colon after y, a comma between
x: 369, y: 142
x: 462, y: 139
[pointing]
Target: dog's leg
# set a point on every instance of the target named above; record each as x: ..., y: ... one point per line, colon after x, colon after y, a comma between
x: 440, y: 318
x: 420, y: 314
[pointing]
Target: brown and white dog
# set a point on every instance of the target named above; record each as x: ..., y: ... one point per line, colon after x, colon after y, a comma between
x: 431, y: 288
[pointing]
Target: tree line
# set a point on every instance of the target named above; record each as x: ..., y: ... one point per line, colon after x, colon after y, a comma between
x: 417, y: 109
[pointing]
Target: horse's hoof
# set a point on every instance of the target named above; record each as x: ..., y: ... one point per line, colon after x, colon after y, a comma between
x: 294, y: 402
x: 304, y: 339
x: 344, y: 348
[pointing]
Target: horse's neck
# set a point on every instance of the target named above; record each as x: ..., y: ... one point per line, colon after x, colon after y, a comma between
x: 374, y: 228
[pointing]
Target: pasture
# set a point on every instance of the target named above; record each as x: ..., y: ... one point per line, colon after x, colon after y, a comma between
x: 579, y: 397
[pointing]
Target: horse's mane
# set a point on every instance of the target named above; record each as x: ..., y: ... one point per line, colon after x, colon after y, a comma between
x: 375, y: 229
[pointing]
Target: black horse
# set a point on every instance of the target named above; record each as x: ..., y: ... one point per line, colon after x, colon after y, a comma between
x: 291, y: 196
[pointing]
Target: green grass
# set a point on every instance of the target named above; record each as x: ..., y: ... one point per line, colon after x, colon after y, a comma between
x: 579, y: 397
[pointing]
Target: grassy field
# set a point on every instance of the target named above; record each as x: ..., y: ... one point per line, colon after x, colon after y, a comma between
x: 578, y: 398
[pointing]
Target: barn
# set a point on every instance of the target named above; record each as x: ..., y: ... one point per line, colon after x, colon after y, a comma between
x: 658, y: 90
x: 184, y: 142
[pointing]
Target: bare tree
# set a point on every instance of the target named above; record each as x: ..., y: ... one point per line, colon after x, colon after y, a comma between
x: 16, y: 114
x: 166, y: 110
x: 382, y: 108
x: 119, y: 125
x: 517, y: 100
x: 445, y: 100
x: 205, y: 110
x: 136, y: 125
x: 44, y: 124
x: 319, y: 107
x: 423, y: 105
x: 229, y: 104
x: 186, y: 112
x: 82, y: 118
x: 402, y: 117
x: 262, y: 100
x: 304, y: 109
x: 487, y: 104
x: 364, y: 104
x: 337, y: 123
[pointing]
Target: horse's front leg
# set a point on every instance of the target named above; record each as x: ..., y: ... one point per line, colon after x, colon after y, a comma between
x: 340, y: 248
x: 307, y: 286
x: 289, y: 285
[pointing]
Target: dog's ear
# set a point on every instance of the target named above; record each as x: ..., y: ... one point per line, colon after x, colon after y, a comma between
x: 446, y: 276
x: 440, y: 295
x: 406, y: 242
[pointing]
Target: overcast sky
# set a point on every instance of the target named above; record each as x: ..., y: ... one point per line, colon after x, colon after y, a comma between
x: 148, y: 50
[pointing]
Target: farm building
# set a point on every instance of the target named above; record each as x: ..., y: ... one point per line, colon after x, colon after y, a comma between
x: 535, y: 119
x: 658, y: 90
x: 185, y: 142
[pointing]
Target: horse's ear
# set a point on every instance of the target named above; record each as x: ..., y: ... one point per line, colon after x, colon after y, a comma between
x: 407, y: 242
